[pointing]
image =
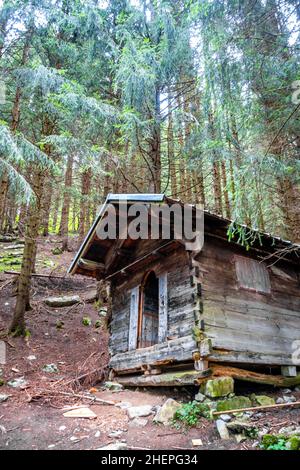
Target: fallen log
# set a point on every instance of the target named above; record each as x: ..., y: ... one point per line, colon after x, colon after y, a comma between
x: 257, y: 408
x: 16, y: 273
x: 256, y: 377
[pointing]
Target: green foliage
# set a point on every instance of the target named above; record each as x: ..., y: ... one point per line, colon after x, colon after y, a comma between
x: 189, y: 413
x: 280, y: 442
x: 86, y: 321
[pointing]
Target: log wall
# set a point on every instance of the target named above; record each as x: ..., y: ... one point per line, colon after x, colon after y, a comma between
x: 248, y: 326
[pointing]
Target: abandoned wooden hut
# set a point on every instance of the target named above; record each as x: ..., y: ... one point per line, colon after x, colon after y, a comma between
x: 178, y: 315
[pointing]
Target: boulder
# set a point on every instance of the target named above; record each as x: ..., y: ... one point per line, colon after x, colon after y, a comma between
x: 263, y: 400
x: 138, y: 423
x: 219, y: 387
x: 64, y: 301
x: 166, y: 413
x: 225, y: 418
x: 200, y: 397
x: 234, y: 403
x: 239, y: 427
x: 222, y: 429
x: 139, y: 411
x: 289, y: 399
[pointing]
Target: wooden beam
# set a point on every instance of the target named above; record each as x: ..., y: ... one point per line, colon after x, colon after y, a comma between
x: 169, y: 379
x: 257, y: 408
x: 256, y: 377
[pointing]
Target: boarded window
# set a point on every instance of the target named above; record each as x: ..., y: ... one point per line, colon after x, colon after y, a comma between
x: 252, y: 274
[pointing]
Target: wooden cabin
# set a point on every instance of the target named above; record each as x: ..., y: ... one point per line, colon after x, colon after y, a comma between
x: 178, y: 314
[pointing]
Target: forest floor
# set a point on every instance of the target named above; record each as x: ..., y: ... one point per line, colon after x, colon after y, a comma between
x: 32, y: 416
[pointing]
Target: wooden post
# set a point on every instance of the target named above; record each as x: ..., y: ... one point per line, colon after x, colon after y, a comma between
x: 289, y: 371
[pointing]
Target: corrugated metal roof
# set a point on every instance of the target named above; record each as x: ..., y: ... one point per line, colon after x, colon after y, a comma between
x: 135, y: 197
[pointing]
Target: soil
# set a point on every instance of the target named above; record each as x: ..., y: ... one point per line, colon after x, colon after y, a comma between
x: 31, y: 420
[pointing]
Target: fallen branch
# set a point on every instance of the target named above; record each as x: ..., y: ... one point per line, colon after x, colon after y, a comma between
x: 35, y: 275
x: 256, y: 408
x: 73, y: 395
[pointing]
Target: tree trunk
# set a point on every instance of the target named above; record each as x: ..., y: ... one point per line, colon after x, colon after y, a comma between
x: 84, y: 204
x: 17, y: 326
x: 64, y: 222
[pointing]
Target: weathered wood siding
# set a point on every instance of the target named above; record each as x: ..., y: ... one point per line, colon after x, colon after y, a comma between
x: 248, y: 326
x: 178, y: 344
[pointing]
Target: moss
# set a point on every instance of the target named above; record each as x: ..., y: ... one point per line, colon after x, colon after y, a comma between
x: 98, y: 324
x: 293, y: 443
x: 86, y: 321
x: 59, y: 324
x: 2, y: 382
x: 234, y: 403
x: 262, y: 400
x: 57, y: 251
x: 219, y: 387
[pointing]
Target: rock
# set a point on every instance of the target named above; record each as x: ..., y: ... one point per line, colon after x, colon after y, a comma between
x: 262, y: 432
x: 239, y: 427
x: 115, y: 446
x: 138, y: 423
x: 263, y: 400
x: 225, y: 418
x: 290, y: 430
x: 290, y: 399
x: 297, y: 389
x: 222, y: 429
x: 219, y: 387
x: 235, y: 403
x: 97, y: 434
x: 80, y: 413
x: 57, y: 251
x: 19, y: 382
x: 197, y: 442
x: 280, y: 400
x: 31, y: 358
x: 116, y: 433
x: 139, y: 411
x: 102, y: 312
x: 90, y: 296
x: 2, y: 429
x: 166, y: 413
x: 286, y: 390
x: 3, y: 397
x: 240, y: 438
x: 200, y: 397
x: 124, y: 405
x: 50, y: 368
x: 62, y: 428
x: 114, y: 386
x: 64, y: 301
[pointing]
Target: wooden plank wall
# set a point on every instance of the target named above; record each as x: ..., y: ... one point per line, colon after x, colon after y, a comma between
x: 180, y: 318
x: 248, y: 326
